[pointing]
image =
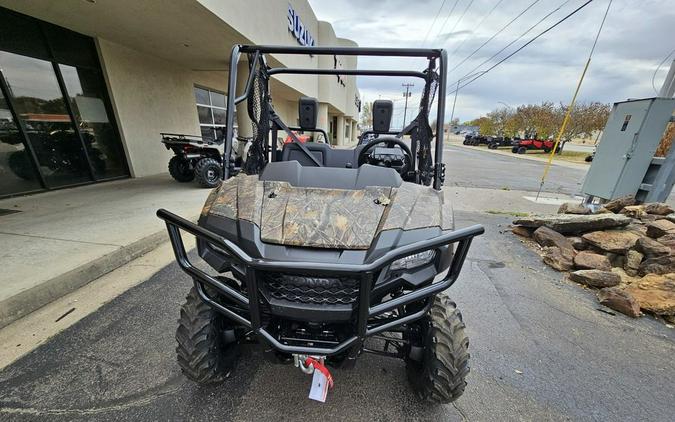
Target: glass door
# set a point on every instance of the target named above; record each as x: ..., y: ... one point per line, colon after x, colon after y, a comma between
x: 41, y: 109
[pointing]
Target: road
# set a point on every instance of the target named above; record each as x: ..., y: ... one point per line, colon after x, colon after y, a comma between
x: 541, y: 350
x: 477, y: 168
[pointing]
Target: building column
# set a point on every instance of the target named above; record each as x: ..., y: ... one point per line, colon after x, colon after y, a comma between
x: 340, y: 130
x: 244, y: 124
x: 322, y: 119
x: 354, y: 134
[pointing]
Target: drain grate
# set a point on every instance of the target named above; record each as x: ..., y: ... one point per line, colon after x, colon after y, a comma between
x: 4, y: 211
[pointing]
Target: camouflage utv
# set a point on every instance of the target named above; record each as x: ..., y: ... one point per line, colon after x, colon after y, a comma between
x: 324, y: 254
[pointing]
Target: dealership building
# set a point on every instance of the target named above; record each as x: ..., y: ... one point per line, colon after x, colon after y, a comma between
x: 87, y: 86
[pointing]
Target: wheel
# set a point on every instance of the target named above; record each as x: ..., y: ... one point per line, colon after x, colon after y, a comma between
x: 465, y: 142
x: 207, y: 347
x: 514, y: 150
x: 588, y: 158
x: 547, y: 150
x: 208, y: 172
x: 438, y: 360
x: 179, y: 169
x: 521, y: 150
x: 492, y: 146
x: 20, y: 165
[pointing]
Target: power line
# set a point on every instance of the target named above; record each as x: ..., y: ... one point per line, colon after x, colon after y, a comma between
x: 433, y: 23
x: 447, y: 17
x: 657, y: 71
x: 575, y: 11
x: 477, y: 26
x: 496, y: 33
x: 460, y: 18
x: 519, y: 38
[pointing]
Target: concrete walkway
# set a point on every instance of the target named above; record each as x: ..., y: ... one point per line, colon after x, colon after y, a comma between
x: 59, y: 241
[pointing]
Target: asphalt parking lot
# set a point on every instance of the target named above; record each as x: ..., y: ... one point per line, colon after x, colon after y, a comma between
x: 540, y: 350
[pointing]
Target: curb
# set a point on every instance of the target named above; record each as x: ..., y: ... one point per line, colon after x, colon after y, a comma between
x: 38, y: 296
x: 561, y: 163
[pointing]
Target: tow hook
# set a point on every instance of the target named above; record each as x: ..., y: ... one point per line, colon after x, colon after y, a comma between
x: 301, y: 361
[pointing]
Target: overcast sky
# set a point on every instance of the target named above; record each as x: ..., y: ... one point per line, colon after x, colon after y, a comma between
x: 637, y: 36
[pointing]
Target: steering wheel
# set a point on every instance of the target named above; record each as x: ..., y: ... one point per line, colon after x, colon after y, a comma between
x: 389, y: 140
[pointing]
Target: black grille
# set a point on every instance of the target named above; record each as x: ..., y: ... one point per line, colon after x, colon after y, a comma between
x: 311, y: 289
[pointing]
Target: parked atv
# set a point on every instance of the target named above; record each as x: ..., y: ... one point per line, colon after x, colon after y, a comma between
x: 199, y: 158
x: 499, y: 141
x: 525, y: 145
x: 325, y: 254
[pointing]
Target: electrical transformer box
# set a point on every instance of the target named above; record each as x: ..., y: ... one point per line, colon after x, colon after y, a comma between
x: 627, y: 146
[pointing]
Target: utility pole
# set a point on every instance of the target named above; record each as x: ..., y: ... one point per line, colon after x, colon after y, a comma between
x: 668, y: 88
x: 406, y: 95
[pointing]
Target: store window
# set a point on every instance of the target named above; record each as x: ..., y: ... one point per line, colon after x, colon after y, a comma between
x: 211, y: 112
x: 56, y: 124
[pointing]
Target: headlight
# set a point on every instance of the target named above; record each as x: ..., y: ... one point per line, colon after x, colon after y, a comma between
x: 412, y: 261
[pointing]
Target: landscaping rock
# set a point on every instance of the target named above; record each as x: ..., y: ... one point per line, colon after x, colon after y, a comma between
x: 650, y: 248
x: 521, y: 231
x: 619, y: 300
x: 559, y: 259
x: 638, y: 228
x: 633, y: 260
x: 603, y: 210
x: 578, y: 243
x: 591, y: 261
x: 659, y: 265
x: 667, y: 240
x: 658, y: 208
x: 547, y: 237
x: 635, y: 211
x: 571, y: 223
x: 596, y: 278
x: 614, y: 241
x: 660, y: 228
x: 648, y: 218
x: 573, y: 208
x: 670, y: 217
x: 619, y: 203
x: 655, y: 293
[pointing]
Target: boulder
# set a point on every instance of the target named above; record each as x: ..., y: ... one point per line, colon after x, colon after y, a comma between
x: 619, y: 300
x: 615, y: 241
x: 660, y: 228
x: 578, y: 243
x: 591, y: 261
x: 655, y: 293
x: 521, y: 231
x: 658, y: 208
x: 573, y: 208
x: 667, y: 240
x: 658, y: 265
x: 651, y: 248
x: 547, y: 237
x: 558, y: 259
x: 635, y: 211
x: 596, y: 278
x: 648, y: 218
x: 637, y: 228
x: 633, y: 260
x: 603, y: 210
x: 618, y: 204
x: 572, y: 223
x: 670, y: 217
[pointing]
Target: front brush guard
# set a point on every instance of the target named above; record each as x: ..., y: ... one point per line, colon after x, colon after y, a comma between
x: 364, y: 272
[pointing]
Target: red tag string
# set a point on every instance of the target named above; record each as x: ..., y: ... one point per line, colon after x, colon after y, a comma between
x: 318, y: 366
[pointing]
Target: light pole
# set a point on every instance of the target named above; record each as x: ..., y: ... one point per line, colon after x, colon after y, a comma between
x: 452, y: 114
x: 406, y: 94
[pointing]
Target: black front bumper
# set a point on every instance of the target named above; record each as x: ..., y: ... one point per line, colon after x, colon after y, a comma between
x: 364, y: 272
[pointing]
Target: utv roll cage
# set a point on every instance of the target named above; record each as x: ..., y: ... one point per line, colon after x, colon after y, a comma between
x: 427, y: 169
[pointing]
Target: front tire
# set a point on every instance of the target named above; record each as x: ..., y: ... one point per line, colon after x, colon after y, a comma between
x: 521, y: 150
x: 208, y: 172
x: 207, y: 348
x: 179, y: 169
x: 438, y: 375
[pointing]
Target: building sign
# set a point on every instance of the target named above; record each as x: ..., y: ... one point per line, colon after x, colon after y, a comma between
x: 297, y: 28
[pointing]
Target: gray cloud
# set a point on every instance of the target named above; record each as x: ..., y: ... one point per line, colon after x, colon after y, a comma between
x: 636, y: 37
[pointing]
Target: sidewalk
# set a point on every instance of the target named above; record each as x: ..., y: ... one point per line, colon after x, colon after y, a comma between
x: 62, y: 240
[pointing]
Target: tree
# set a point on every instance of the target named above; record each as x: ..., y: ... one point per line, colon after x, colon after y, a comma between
x: 366, y: 118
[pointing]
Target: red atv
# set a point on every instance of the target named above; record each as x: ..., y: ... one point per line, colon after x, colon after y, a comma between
x: 523, y: 145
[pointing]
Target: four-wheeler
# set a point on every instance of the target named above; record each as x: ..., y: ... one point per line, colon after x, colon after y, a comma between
x: 324, y: 254
x: 499, y: 141
x: 522, y: 146
x: 476, y: 140
x: 201, y: 158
